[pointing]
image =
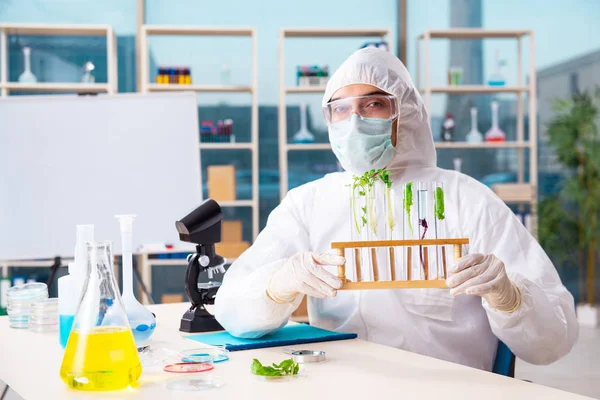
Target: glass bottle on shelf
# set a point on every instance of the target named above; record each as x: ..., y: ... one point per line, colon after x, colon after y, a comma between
x: 27, y: 76
x: 448, y: 129
x: 303, y: 135
x: 474, y: 136
x: 87, y: 76
x: 495, y: 134
x: 497, y: 78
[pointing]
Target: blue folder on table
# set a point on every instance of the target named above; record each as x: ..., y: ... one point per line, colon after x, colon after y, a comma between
x: 286, y: 336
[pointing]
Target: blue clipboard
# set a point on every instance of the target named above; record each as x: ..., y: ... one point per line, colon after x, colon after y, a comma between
x: 286, y: 336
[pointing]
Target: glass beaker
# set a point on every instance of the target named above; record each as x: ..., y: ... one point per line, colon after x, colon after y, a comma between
x: 100, y: 353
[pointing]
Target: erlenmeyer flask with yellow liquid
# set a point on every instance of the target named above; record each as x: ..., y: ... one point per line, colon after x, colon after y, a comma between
x: 101, y: 352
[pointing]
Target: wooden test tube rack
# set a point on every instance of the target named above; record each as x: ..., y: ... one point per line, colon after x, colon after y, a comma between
x: 355, y: 247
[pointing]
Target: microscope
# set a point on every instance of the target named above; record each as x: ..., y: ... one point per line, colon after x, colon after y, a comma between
x: 202, y: 227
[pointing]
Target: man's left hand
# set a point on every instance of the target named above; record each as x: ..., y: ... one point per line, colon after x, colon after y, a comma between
x: 484, y: 275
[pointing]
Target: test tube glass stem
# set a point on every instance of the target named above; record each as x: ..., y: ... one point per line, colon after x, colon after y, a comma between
x: 358, y: 229
x: 442, y: 251
x: 410, y: 232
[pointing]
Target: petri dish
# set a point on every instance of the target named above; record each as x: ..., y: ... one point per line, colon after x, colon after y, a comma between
x: 195, y: 383
x: 19, y: 299
x: 188, y: 368
x: 44, y: 315
x: 218, y: 354
x: 151, y: 356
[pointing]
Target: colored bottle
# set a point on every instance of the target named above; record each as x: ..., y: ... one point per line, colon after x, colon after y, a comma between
x: 495, y: 134
x: 448, y: 129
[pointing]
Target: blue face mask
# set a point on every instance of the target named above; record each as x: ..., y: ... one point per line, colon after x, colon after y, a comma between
x: 362, y: 144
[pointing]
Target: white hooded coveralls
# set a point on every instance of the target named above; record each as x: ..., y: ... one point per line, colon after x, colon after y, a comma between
x: 462, y: 329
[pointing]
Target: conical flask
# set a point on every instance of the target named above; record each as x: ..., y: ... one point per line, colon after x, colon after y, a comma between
x: 100, y: 353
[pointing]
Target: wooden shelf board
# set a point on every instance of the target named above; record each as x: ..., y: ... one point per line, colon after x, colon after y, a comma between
x: 482, y: 145
x: 328, y: 32
x: 467, y: 89
x: 196, y: 30
x: 57, y: 87
x: 305, y: 89
x: 225, y: 146
x: 473, y: 33
x: 309, y: 146
x: 156, y: 87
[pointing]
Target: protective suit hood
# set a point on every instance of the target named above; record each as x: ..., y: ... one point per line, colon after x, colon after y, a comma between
x: 379, y: 68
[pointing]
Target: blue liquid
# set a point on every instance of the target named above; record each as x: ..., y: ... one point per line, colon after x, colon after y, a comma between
x: 65, y: 324
x: 142, y: 332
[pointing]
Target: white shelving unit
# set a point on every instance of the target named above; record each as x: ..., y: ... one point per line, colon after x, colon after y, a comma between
x: 520, y: 144
x: 7, y: 87
x: 284, y: 146
x: 147, y: 86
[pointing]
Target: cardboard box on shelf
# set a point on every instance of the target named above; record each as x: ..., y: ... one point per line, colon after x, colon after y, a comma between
x: 231, y: 231
x: 514, y: 192
x: 221, y: 182
x: 171, y: 298
x: 231, y: 249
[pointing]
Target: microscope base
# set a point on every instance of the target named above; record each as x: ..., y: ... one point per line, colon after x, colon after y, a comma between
x: 199, y: 320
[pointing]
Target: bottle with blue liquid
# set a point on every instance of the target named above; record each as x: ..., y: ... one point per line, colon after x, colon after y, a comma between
x: 141, y: 320
x: 71, y: 285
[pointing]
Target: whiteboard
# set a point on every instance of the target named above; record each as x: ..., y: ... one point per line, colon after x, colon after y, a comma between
x: 68, y: 160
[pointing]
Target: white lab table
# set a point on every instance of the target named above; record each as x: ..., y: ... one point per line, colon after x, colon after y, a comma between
x: 355, y: 369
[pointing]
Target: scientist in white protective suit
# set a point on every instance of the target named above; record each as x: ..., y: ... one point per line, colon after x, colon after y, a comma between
x: 504, y: 288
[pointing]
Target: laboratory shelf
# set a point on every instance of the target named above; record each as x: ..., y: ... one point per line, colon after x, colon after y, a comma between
x: 226, y: 146
x: 284, y: 90
x: 482, y: 145
x: 59, y: 30
x: 146, y: 86
x: 468, y: 89
x: 309, y: 146
x: 57, y: 87
x: 523, y: 192
x: 473, y: 33
x: 328, y: 32
x: 308, y: 89
x: 158, y: 87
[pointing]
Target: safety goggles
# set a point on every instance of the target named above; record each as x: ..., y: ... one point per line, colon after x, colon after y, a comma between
x: 382, y: 106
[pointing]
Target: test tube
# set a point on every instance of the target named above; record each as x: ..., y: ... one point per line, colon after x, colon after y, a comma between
x: 439, y: 212
x: 357, y: 233
x: 425, y: 228
x: 410, y: 232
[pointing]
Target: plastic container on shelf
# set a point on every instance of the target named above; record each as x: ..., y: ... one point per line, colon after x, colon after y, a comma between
x: 19, y: 302
x: 44, y: 315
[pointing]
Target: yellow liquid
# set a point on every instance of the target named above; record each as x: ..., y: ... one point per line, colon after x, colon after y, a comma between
x: 103, y: 359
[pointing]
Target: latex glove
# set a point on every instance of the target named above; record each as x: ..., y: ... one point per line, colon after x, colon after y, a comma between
x: 484, y: 275
x: 304, y: 273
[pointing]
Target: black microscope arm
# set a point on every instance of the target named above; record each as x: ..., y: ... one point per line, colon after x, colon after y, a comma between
x: 191, y: 281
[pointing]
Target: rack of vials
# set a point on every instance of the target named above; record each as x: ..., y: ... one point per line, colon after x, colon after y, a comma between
x: 398, y: 240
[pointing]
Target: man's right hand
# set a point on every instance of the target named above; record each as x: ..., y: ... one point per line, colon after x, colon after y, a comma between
x: 304, y: 273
